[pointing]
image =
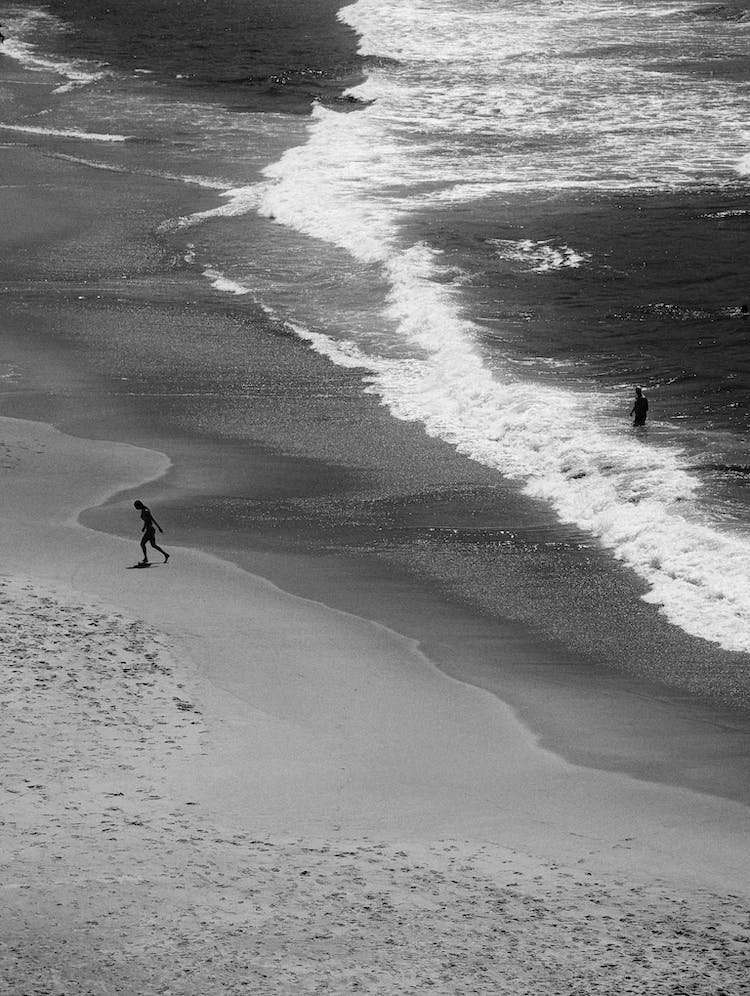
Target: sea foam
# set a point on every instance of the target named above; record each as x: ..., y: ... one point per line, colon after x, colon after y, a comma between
x: 634, y: 497
x: 519, y: 96
x: 351, y: 185
x: 19, y: 28
x: 538, y: 256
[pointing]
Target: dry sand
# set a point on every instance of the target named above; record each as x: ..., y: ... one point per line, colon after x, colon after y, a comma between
x: 210, y: 786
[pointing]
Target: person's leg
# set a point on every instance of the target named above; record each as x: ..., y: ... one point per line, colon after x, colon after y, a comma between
x: 143, y: 547
x: 162, y: 552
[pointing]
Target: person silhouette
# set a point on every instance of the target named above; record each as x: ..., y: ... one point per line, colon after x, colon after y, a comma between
x: 640, y: 407
x: 149, y: 536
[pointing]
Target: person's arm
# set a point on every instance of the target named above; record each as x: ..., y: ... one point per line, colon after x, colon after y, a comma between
x: 156, y: 524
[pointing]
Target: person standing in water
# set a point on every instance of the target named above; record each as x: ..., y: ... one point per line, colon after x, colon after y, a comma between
x: 149, y: 536
x: 640, y: 407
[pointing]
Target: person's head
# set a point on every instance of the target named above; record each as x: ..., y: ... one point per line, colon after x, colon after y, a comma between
x: 138, y: 504
x: 638, y: 392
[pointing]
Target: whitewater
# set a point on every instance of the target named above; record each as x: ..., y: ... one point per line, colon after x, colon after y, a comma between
x: 359, y: 175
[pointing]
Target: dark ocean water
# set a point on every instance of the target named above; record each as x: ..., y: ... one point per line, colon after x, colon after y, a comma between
x: 248, y: 55
x: 488, y: 221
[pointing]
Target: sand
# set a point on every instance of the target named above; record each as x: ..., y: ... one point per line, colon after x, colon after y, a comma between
x: 211, y: 786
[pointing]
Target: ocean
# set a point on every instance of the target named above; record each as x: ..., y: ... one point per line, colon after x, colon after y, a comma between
x: 491, y: 220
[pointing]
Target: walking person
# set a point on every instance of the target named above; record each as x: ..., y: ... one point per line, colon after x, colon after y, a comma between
x: 149, y: 535
x: 640, y: 407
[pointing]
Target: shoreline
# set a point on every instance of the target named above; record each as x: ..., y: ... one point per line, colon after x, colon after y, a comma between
x: 589, y: 716
x: 254, y: 502
x: 202, y: 763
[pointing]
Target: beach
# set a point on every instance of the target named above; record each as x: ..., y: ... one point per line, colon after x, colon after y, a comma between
x: 385, y: 723
x: 213, y: 786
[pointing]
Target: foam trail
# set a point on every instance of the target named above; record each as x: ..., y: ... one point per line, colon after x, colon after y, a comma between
x: 199, y: 181
x: 239, y: 201
x: 223, y: 283
x: 89, y: 136
x: 90, y: 163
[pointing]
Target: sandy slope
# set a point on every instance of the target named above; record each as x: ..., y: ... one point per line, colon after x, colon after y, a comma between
x: 212, y: 787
